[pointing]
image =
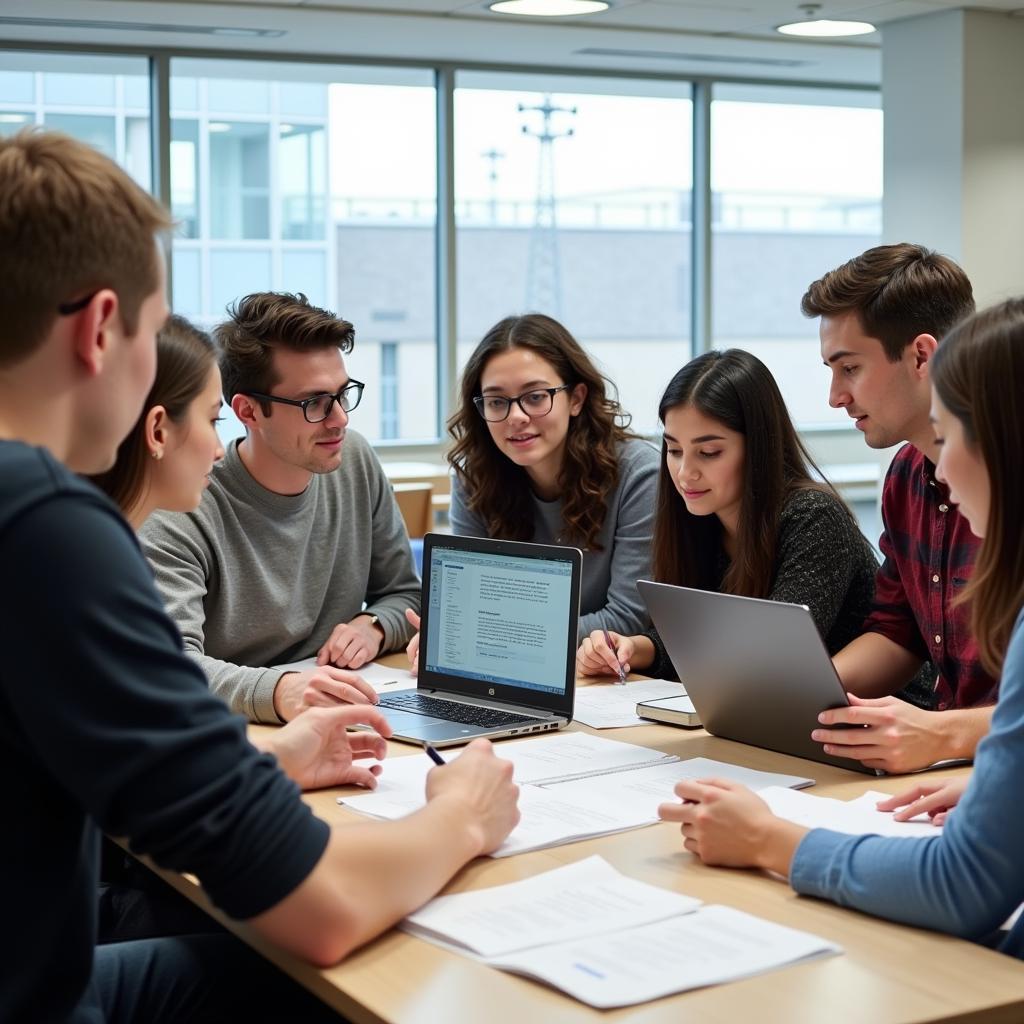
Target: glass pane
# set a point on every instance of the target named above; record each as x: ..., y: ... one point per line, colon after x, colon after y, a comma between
x: 783, y: 215
x: 98, y: 131
x: 239, y: 179
x: 185, y: 176
x: 186, y: 274
x: 293, y: 155
x: 305, y: 272
x: 573, y: 199
x: 102, y: 100
x: 302, y: 163
x: 12, y: 121
x: 237, y: 272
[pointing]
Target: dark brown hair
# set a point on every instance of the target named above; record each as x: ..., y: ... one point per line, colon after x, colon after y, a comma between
x: 263, y: 321
x: 898, y: 292
x: 71, y: 222
x: 978, y: 374
x: 497, y: 489
x: 736, y: 389
x: 184, y: 358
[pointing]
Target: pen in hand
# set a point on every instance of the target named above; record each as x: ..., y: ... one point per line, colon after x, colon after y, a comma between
x: 433, y: 754
x: 618, y: 664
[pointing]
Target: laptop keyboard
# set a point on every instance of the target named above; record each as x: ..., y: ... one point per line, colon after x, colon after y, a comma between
x: 450, y: 710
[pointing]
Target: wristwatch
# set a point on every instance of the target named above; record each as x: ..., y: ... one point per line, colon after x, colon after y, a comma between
x: 374, y: 621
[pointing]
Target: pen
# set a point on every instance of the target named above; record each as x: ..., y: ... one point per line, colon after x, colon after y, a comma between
x: 608, y: 641
x: 433, y: 754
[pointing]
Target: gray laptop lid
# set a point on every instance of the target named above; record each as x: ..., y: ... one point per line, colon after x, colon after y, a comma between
x: 756, y: 671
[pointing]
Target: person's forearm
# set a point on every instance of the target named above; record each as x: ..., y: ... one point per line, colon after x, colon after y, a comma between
x: 643, y: 653
x: 371, y: 876
x: 778, y: 846
x: 875, y: 666
x: 963, y: 730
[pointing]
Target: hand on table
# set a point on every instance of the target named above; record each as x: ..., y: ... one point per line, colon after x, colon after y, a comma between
x: 320, y: 687
x: 316, y: 750
x: 936, y: 799
x: 893, y: 735
x: 351, y: 644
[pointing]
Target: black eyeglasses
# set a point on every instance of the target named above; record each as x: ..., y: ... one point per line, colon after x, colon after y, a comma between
x: 495, y: 408
x: 318, y: 408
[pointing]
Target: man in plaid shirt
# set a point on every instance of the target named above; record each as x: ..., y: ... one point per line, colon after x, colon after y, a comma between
x: 882, y: 317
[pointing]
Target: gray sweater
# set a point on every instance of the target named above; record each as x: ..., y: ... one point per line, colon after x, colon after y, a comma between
x: 822, y: 560
x: 608, y: 598
x: 254, y: 578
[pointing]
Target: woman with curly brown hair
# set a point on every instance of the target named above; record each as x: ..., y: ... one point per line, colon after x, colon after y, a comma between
x: 543, y: 453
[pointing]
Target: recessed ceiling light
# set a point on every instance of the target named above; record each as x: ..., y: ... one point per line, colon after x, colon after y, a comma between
x: 823, y: 27
x: 549, y: 8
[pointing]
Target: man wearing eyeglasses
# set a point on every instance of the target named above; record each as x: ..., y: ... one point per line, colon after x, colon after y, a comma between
x: 297, y: 548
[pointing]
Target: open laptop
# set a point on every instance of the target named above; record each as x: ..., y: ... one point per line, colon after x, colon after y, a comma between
x: 497, y: 642
x: 756, y: 671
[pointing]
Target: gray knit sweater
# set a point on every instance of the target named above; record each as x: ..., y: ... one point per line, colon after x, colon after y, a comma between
x: 254, y: 579
x: 609, y: 598
x: 823, y: 561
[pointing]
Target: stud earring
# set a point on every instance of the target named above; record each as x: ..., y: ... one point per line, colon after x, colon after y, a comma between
x: 157, y: 455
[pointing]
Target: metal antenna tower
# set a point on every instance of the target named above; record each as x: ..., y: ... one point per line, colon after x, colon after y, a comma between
x: 494, y: 156
x: 543, y: 271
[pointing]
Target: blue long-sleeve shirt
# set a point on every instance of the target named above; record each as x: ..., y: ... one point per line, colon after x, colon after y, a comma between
x: 965, y: 881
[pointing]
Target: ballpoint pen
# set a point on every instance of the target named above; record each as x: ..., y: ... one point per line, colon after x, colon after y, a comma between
x: 622, y: 675
x: 433, y: 754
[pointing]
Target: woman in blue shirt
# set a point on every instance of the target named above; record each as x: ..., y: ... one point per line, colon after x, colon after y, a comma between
x: 967, y: 880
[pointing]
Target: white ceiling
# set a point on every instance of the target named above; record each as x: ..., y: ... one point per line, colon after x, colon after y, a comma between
x: 731, y: 39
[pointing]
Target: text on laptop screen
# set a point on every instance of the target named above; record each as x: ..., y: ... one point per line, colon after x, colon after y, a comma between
x: 499, y: 618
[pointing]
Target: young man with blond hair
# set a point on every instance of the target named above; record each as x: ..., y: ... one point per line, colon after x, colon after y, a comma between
x: 882, y: 316
x: 106, y: 724
x: 297, y: 548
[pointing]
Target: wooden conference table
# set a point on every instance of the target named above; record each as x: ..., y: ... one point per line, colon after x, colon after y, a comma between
x: 889, y: 974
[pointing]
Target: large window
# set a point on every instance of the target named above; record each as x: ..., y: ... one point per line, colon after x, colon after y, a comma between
x: 321, y: 180
x: 572, y: 198
x: 796, y: 180
x: 101, y: 100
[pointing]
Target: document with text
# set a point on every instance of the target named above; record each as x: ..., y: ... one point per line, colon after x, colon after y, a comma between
x: 614, y: 707
x: 573, y: 787
x: 381, y: 677
x: 609, y: 940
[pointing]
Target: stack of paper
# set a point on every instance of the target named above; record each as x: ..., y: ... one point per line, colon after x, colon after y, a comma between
x: 614, y: 707
x: 574, y: 786
x: 606, y: 939
x: 856, y: 817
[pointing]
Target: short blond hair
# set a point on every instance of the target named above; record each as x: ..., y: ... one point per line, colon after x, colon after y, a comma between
x: 71, y: 222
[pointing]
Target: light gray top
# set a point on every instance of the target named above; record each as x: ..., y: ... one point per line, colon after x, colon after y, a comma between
x: 609, y: 598
x: 254, y: 578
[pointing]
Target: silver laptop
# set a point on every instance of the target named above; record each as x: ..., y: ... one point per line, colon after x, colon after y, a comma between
x: 497, y: 642
x: 756, y: 671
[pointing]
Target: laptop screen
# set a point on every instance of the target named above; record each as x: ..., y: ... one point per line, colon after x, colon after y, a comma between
x: 499, y: 618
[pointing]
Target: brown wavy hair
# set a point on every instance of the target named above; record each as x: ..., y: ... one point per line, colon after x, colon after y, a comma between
x: 496, y: 488
x: 978, y: 375
x: 737, y: 389
x: 184, y: 358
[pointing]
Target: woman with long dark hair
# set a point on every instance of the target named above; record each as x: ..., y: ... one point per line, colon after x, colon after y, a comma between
x: 739, y: 511
x: 967, y: 880
x: 543, y: 453
x: 166, y: 459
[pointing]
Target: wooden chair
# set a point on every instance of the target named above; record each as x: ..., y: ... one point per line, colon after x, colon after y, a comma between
x: 414, y: 502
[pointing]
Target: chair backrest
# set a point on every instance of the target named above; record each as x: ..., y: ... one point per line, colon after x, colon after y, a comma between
x: 414, y: 502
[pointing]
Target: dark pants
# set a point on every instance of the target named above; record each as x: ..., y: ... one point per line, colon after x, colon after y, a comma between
x: 199, y: 979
